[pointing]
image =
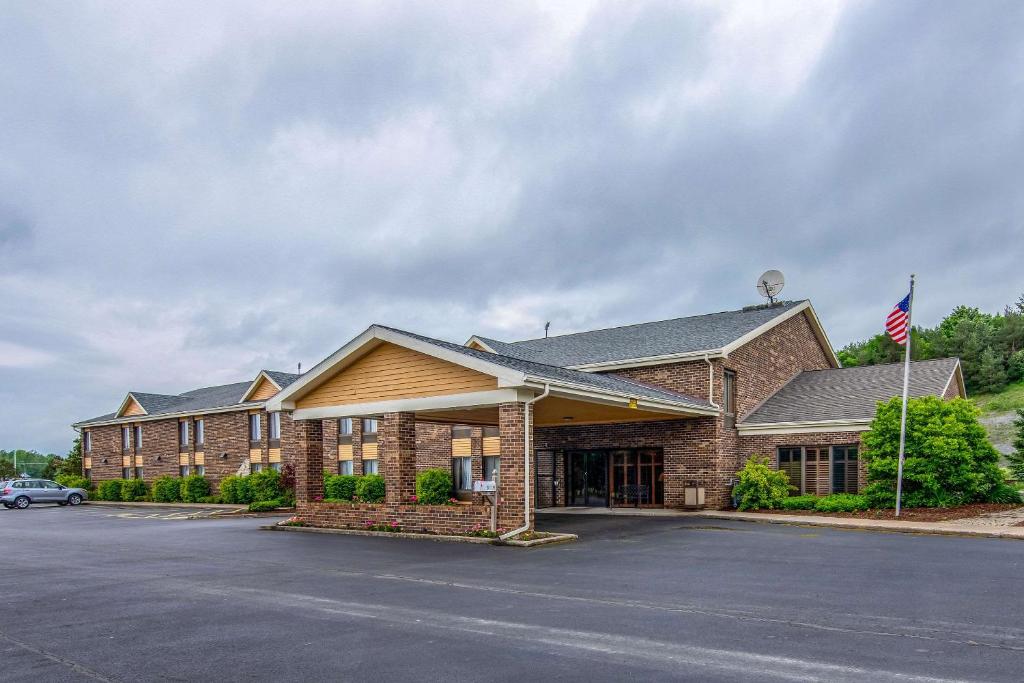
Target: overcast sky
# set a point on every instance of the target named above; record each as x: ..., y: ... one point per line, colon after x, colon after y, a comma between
x: 192, y: 191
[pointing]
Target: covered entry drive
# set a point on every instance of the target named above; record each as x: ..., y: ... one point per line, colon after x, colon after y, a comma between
x: 618, y: 477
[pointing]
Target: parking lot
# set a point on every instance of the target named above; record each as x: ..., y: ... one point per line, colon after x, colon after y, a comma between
x: 97, y: 593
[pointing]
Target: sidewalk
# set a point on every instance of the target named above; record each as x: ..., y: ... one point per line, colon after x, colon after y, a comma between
x: 982, y: 527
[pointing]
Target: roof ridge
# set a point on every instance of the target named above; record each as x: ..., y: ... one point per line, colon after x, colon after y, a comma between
x: 780, y: 304
x: 882, y: 365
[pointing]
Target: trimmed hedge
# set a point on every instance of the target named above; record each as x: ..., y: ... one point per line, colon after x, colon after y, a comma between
x: 194, y: 488
x: 133, y: 490
x: 265, y: 485
x: 340, y: 486
x: 236, y: 490
x: 842, y: 502
x: 370, y: 488
x: 109, y: 489
x: 73, y: 481
x: 433, y: 486
x: 265, y: 505
x: 167, y: 490
x: 800, y: 502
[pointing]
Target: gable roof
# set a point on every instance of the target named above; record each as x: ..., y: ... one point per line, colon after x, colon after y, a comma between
x: 194, y: 401
x: 662, y: 341
x: 510, y: 371
x: 278, y: 379
x: 850, y: 394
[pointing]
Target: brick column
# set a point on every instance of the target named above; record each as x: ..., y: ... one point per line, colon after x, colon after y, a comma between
x: 309, y: 461
x: 396, y: 443
x: 510, y: 428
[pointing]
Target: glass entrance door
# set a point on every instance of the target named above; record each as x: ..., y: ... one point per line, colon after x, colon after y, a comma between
x: 588, y: 478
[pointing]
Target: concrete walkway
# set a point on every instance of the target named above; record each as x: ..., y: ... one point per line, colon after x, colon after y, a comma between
x: 997, y: 525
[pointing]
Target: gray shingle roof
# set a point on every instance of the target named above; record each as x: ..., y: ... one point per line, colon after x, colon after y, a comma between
x: 557, y: 374
x: 680, y: 335
x: 196, y: 400
x: 850, y: 393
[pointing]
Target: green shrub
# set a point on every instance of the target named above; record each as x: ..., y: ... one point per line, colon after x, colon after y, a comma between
x: 1005, y: 494
x: 167, y: 490
x: 799, y: 502
x: 193, y: 488
x: 370, y: 488
x: 73, y: 481
x: 433, y: 487
x: 761, y: 486
x: 340, y: 486
x: 842, y: 502
x: 109, y: 489
x: 210, y: 499
x: 133, y: 490
x: 264, y: 505
x: 949, y: 460
x: 236, y: 490
x: 265, y: 485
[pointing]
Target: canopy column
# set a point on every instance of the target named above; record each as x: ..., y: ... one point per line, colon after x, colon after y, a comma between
x: 309, y: 461
x: 397, y: 439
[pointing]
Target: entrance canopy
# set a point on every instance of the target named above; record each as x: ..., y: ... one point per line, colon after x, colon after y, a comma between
x: 386, y: 370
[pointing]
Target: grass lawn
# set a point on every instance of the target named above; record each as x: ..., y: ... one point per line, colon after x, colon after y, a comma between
x: 1008, y: 399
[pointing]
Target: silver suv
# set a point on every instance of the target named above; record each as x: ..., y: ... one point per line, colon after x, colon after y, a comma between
x: 20, y: 493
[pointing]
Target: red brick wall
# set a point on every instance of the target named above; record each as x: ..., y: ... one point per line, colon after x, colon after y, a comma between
x: 768, y: 444
x: 106, y: 443
x: 433, y: 445
x: 396, y: 441
x: 436, y: 519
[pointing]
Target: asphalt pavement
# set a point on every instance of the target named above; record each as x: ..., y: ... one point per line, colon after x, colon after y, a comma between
x: 90, y: 596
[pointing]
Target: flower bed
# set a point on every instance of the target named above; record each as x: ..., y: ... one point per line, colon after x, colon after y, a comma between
x: 909, y: 514
x: 407, y: 517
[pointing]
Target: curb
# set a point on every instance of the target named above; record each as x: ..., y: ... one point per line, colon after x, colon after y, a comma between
x: 558, y: 538
x: 856, y: 525
x: 218, y: 506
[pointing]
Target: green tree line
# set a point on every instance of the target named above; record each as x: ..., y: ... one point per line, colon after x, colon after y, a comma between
x: 990, y: 347
x: 36, y: 464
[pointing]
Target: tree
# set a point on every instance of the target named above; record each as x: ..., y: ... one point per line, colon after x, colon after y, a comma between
x: 949, y: 460
x: 53, y: 467
x: 1017, y: 457
x: 72, y: 463
x: 960, y: 314
x: 7, y: 470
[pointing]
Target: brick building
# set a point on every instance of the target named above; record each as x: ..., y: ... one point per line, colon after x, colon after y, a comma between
x: 652, y: 414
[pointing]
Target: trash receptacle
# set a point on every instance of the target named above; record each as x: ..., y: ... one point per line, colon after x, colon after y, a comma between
x: 693, y: 495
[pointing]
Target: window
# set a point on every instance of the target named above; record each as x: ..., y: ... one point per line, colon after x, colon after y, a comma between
x: 87, y: 441
x: 274, y: 428
x: 492, y: 466
x: 844, y: 469
x: 254, y: 428
x: 462, y: 474
x: 369, y: 430
x: 138, y: 473
x: 183, y: 435
x: 729, y: 397
x: 201, y: 470
x: 182, y: 470
x: 138, y: 437
x: 344, y: 467
x: 276, y: 466
x: 126, y: 438
x: 255, y: 467
x: 791, y: 462
x: 126, y: 472
x: 370, y: 466
x: 345, y: 428
x: 199, y: 429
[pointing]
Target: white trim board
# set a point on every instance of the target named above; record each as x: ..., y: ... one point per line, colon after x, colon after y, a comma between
x: 804, y: 427
x: 252, y: 386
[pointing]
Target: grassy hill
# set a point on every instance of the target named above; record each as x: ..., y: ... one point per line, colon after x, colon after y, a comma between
x: 998, y: 411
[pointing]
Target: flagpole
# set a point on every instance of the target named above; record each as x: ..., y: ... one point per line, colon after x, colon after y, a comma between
x: 906, y: 391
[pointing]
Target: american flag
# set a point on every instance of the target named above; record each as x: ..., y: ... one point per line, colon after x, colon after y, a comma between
x: 896, y: 323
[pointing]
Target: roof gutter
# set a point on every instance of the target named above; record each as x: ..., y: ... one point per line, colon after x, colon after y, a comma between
x: 711, y: 382
x: 526, y: 464
x: 234, y: 407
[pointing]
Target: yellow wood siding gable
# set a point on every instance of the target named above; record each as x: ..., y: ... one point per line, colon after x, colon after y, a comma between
x: 391, y: 372
x: 264, y: 390
x: 133, y: 408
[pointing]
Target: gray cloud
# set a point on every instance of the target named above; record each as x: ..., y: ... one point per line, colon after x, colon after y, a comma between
x: 195, y: 191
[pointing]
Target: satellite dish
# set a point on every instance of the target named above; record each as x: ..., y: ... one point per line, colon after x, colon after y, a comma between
x: 770, y: 284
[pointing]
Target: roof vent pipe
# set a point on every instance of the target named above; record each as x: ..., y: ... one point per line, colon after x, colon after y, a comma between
x: 711, y: 382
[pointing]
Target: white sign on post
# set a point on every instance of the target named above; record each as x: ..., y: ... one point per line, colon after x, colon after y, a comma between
x: 484, y: 487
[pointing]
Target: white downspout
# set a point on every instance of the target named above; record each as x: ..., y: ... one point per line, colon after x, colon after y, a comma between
x: 526, y: 464
x: 711, y: 382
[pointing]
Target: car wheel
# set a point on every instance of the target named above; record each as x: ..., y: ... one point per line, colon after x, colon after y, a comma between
x: 75, y: 499
x: 22, y: 502
x: 8, y: 506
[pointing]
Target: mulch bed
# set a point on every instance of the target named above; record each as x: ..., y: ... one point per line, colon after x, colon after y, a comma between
x: 911, y: 514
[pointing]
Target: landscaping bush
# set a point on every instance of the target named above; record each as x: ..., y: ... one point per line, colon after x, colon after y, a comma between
x: 265, y: 505
x: 236, y: 490
x: 73, y: 481
x: 949, y: 460
x: 799, y: 502
x: 434, y: 486
x: 109, y: 489
x: 265, y: 485
x: 842, y: 502
x: 194, y: 488
x: 1005, y: 494
x: 761, y: 486
x: 167, y: 490
x: 340, y: 486
x: 370, y: 488
x: 133, y: 490
x: 210, y: 499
